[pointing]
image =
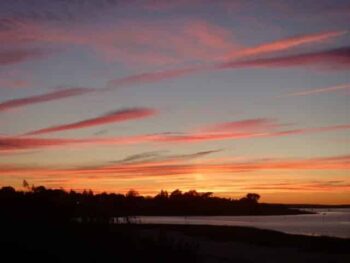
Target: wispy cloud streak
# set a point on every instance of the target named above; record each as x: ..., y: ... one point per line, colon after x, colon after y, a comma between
x: 334, y: 58
x: 317, y: 91
x: 153, y: 77
x: 243, y: 125
x: 8, y: 143
x: 51, y: 96
x: 236, y: 135
x: 112, y: 117
x: 160, y: 157
x: 130, y: 42
x: 11, y: 143
x: 285, y: 44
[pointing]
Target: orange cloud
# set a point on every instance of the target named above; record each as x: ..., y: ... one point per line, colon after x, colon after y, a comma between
x: 174, y: 167
x: 225, y: 178
x: 112, y: 117
x: 307, y: 187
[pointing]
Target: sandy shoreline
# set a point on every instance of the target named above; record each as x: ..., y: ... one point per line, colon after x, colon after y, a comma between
x: 45, y: 241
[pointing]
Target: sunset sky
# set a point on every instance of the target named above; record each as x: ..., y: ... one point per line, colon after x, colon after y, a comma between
x: 227, y: 96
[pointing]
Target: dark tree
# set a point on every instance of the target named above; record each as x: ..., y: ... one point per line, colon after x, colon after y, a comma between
x: 253, y: 197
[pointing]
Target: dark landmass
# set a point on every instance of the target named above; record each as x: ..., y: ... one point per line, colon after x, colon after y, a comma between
x: 87, y: 206
x: 40, y: 225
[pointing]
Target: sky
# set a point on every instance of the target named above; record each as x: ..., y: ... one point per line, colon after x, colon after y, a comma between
x: 226, y: 96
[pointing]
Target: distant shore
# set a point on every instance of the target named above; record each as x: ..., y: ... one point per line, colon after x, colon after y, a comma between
x: 318, y: 206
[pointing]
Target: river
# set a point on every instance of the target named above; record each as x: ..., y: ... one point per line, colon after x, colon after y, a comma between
x: 327, y: 222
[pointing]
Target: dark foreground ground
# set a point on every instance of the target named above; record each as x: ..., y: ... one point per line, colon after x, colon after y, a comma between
x: 34, y: 241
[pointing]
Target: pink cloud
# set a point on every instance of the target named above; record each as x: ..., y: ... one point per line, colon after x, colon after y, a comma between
x: 153, y: 77
x: 12, y: 56
x: 165, y: 43
x: 51, y: 96
x: 155, y: 43
x: 225, y: 133
x: 334, y: 58
x: 203, y: 137
x: 138, y: 42
x: 312, y: 130
x: 112, y: 117
x: 159, y: 43
x: 285, y: 44
x: 243, y: 125
x: 200, y: 32
x: 317, y: 91
x: 10, y: 143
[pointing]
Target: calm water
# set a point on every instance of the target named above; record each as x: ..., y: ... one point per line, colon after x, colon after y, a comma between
x: 329, y: 222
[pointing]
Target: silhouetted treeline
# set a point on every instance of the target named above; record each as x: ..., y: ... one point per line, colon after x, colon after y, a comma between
x: 37, y: 226
x: 58, y: 204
